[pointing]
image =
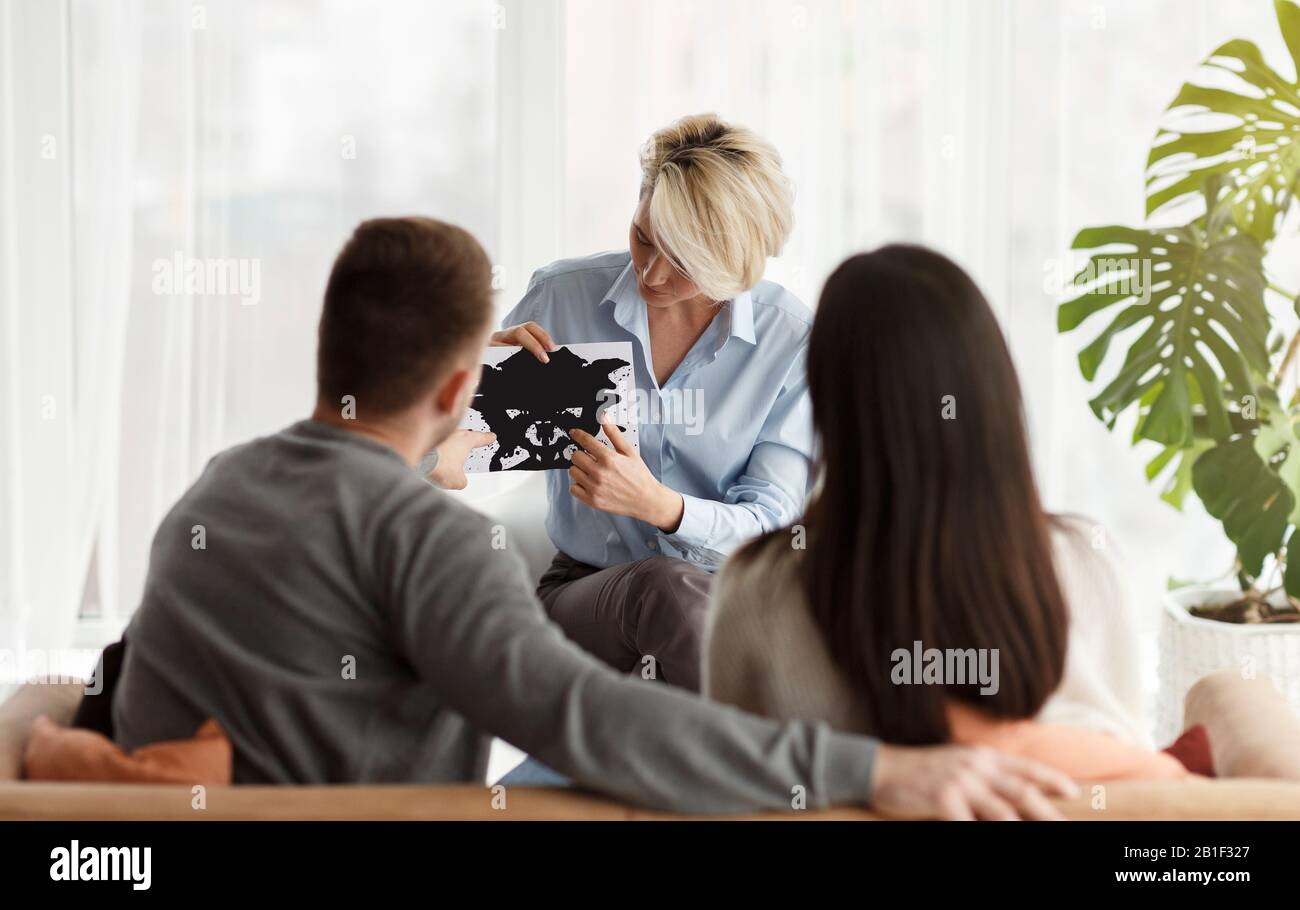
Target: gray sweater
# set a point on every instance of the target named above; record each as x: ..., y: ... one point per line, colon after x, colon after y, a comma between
x: 346, y: 622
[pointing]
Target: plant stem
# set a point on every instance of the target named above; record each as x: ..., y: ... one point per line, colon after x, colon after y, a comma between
x: 1286, y: 361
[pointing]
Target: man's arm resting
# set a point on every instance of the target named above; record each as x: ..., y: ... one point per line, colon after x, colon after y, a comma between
x: 469, y: 623
x: 668, y: 749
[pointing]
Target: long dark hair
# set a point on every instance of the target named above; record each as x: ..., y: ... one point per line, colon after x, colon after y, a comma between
x: 926, y: 525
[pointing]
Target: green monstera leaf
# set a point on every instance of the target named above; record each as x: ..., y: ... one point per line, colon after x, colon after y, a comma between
x: 1197, y: 291
x: 1257, y: 156
x: 1188, y: 303
x: 1247, y: 496
x: 1178, y: 481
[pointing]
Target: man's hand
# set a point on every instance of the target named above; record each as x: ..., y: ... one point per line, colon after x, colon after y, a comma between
x: 529, y: 335
x: 618, y: 482
x: 450, y: 472
x: 963, y: 783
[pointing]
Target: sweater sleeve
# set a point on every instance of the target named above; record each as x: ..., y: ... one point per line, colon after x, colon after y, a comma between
x: 467, y: 621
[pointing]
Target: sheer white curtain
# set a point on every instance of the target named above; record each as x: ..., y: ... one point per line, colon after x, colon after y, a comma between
x: 261, y: 132
x: 253, y: 132
x: 272, y: 128
x: 69, y: 77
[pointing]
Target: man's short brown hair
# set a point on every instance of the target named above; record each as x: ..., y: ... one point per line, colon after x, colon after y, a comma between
x: 404, y: 296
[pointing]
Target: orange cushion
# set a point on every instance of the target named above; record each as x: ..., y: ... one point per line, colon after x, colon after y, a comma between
x: 1082, y: 754
x: 70, y: 754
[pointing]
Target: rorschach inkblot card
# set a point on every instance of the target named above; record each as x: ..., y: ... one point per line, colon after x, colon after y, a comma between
x: 531, y: 406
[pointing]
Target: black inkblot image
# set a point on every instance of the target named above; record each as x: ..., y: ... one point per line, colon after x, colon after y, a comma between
x: 531, y: 405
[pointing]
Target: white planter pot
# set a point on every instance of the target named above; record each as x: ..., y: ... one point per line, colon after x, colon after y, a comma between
x: 1191, y: 648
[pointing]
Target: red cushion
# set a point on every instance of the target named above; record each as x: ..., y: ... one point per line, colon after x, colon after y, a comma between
x: 1193, y: 750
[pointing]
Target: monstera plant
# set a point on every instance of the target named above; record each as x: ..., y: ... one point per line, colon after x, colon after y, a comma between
x: 1209, y: 370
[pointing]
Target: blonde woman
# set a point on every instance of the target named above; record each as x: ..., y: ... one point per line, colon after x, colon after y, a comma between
x: 725, y: 437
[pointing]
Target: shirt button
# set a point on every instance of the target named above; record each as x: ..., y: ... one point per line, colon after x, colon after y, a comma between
x: 652, y: 543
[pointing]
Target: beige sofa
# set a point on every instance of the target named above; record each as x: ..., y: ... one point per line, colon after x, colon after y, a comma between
x: 1256, y: 748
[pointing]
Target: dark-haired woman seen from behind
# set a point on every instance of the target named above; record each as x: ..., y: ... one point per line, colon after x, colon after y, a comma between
x: 926, y: 596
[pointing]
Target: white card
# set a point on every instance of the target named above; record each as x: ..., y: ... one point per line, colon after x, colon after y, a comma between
x: 531, y: 405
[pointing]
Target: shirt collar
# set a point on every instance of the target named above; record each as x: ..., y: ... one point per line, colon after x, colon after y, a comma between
x: 629, y: 309
x: 742, y: 317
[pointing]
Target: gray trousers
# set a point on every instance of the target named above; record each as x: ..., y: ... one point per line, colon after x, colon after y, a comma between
x: 650, y: 608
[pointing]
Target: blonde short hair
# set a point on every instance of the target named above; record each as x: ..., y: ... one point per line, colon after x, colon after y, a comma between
x: 721, y: 203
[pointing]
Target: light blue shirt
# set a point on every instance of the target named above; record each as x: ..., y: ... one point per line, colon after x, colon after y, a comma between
x: 731, y: 429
